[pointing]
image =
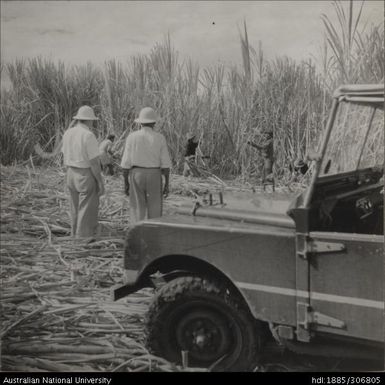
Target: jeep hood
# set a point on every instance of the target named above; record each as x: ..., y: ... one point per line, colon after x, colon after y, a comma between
x: 269, y: 209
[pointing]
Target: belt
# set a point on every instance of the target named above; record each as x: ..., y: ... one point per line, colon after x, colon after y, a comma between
x: 148, y: 168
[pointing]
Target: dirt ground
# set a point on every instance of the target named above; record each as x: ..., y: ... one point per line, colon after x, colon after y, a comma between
x: 56, y: 312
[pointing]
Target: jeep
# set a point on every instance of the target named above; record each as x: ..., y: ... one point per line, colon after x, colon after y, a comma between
x: 306, y: 269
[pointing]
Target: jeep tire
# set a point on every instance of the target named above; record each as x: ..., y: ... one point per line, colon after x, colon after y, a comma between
x: 199, y: 316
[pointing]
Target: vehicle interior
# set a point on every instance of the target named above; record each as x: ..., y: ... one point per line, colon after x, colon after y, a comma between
x: 349, y: 203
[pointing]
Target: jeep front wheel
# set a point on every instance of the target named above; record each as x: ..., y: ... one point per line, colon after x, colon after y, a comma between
x: 195, y: 315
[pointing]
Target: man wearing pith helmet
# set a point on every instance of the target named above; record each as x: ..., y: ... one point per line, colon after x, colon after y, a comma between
x: 84, y: 179
x: 147, y: 158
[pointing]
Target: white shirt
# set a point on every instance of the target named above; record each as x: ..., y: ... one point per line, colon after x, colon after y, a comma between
x: 79, y: 146
x: 146, y: 148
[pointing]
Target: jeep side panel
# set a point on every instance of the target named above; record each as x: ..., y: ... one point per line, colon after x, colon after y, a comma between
x: 260, y: 260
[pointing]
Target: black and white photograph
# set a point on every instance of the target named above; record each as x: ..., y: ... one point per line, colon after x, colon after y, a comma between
x: 192, y: 186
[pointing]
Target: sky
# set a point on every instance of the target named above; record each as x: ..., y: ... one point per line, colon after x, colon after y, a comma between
x: 207, y: 31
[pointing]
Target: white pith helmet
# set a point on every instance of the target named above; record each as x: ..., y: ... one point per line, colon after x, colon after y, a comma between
x: 146, y: 115
x: 85, y: 113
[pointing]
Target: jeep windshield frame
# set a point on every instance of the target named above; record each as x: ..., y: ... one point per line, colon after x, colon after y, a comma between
x: 366, y: 102
x: 359, y: 146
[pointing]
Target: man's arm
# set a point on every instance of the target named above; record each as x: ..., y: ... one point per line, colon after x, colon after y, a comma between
x: 166, y: 174
x: 92, y: 151
x: 126, y: 162
x: 126, y: 174
x: 96, y: 171
x: 165, y: 164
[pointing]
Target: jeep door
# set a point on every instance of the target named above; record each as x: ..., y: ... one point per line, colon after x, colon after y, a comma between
x: 346, y: 256
x: 346, y: 285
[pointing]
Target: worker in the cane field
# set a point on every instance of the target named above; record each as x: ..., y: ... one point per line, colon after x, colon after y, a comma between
x: 266, y: 146
x: 190, y: 154
x: 300, y: 167
x: 147, y: 158
x: 107, y: 155
x: 298, y: 170
x: 84, y: 179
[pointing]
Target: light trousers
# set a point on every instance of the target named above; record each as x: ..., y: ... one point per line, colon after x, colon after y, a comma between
x: 145, y: 193
x: 84, y: 201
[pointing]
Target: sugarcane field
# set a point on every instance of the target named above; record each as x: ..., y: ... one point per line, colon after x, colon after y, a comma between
x: 192, y: 187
